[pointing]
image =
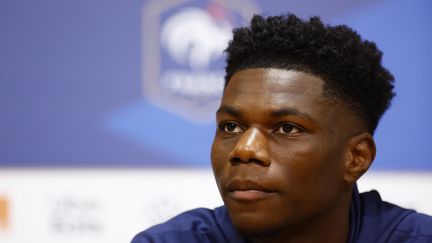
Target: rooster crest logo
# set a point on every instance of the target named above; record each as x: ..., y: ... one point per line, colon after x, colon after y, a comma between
x: 183, y: 44
x: 195, y: 50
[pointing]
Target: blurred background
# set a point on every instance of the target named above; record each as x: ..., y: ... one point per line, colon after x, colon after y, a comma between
x: 107, y: 108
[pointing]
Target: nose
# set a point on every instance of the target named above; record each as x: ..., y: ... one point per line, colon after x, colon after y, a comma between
x: 252, y: 147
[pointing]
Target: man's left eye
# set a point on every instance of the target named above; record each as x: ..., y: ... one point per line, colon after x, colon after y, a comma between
x: 287, y: 129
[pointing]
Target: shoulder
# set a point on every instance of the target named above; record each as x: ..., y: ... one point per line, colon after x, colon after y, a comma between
x: 197, y: 225
x: 414, y: 227
x: 393, y: 223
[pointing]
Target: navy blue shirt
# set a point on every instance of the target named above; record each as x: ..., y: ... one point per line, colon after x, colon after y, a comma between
x: 371, y: 220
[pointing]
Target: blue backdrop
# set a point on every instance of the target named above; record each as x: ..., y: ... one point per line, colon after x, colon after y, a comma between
x: 136, y: 83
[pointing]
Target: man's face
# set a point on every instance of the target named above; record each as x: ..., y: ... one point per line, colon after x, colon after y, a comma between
x: 279, y: 150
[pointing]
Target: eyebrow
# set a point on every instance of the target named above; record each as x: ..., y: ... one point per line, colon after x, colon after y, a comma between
x: 229, y: 110
x: 290, y: 112
x: 277, y: 113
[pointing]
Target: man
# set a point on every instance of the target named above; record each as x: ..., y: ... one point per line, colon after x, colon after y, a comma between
x: 300, y: 105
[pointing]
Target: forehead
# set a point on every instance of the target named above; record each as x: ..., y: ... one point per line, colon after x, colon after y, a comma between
x: 276, y: 81
x: 273, y: 86
x: 260, y: 96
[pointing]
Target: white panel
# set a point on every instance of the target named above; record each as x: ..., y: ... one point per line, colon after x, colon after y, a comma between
x: 406, y: 189
x: 112, y: 205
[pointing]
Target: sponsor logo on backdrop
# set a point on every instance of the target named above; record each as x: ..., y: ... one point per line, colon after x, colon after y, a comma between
x: 160, y: 208
x: 183, y: 61
x: 4, y: 213
x: 75, y: 216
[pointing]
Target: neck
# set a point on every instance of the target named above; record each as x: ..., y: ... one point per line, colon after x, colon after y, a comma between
x: 331, y: 226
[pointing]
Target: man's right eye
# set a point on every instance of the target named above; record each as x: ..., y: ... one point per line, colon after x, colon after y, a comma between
x: 230, y: 127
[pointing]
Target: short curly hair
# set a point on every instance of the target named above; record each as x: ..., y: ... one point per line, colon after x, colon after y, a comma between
x: 350, y: 67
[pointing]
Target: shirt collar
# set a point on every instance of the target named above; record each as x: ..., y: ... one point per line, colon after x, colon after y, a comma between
x: 354, y: 215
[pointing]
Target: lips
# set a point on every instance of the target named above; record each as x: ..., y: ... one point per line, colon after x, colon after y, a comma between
x: 248, y: 190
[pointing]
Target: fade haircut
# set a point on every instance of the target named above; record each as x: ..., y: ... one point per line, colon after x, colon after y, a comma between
x: 349, y: 66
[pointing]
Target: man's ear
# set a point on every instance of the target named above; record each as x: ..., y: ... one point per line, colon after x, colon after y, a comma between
x: 361, y: 153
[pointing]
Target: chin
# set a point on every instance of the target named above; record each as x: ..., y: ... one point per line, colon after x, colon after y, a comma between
x: 254, y: 225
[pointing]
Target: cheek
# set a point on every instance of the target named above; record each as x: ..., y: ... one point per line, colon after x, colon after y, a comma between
x: 309, y: 168
x: 219, y: 156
